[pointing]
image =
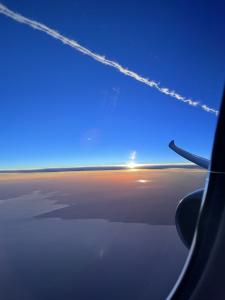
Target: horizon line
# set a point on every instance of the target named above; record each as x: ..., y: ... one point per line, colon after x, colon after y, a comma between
x: 102, y: 168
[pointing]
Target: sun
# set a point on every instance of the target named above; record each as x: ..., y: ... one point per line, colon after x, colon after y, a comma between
x: 131, y: 165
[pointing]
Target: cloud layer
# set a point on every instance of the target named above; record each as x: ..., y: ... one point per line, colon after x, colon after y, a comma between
x: 102, y: 59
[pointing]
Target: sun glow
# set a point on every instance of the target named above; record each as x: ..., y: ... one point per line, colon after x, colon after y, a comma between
x: 142, y: 180
x: 131, y: 165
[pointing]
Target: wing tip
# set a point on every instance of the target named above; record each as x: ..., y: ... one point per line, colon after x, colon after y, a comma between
x: 172, y: 144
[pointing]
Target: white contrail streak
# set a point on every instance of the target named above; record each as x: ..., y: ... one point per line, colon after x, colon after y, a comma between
x: 102, y: 59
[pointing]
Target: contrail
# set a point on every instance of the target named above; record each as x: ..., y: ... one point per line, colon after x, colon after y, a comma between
x: 102, y: 59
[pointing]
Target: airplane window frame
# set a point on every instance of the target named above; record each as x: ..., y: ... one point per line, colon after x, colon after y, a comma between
x: 200, y: 279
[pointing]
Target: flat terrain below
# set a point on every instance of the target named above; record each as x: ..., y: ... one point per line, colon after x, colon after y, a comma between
x: 92, y: 234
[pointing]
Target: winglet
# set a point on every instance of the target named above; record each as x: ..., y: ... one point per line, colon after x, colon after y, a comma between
x: 198, y: 160
x: 172, y: 144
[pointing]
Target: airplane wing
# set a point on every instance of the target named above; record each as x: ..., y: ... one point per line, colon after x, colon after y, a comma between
x: 198, y: 160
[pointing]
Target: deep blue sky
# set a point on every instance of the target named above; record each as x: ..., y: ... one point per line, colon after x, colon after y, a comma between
x: 61, y: 108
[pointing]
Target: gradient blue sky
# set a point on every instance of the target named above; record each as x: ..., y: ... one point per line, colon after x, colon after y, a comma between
x: 61, y: 108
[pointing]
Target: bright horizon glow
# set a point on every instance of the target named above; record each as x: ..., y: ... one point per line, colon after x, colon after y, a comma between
x: 132, y: 165
x: 129, y: 165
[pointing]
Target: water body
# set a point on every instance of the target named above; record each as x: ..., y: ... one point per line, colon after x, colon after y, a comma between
x: 64, y: 236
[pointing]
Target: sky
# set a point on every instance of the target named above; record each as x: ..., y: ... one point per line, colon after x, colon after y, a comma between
x: 61, y: 108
